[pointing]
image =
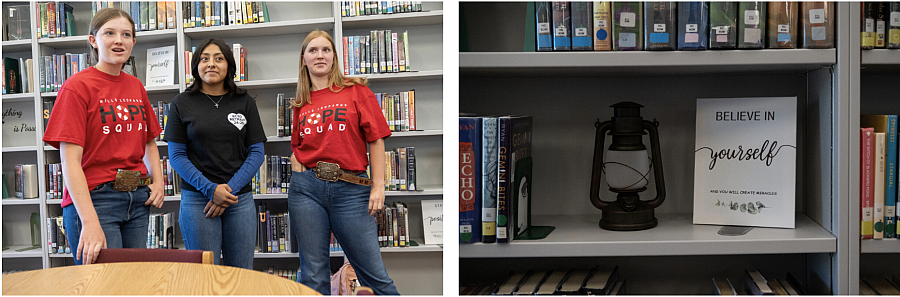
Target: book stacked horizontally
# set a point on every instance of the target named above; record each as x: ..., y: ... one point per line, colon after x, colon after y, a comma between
x: 596, y: 281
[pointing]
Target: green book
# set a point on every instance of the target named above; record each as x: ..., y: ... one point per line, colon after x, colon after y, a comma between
x: 751, y: 24
x: 265, y: 13
x: 151, y: 15
x: 722, y: 25
x: 5, y: 191
x: 628, y: 26
x: 145, y: 16
x: 530, y: 28
x: 70, y: 24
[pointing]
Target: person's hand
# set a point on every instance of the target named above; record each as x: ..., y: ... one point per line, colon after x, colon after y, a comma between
x: 213, y: 210
x: 91, y: 241
x: 296, y: 165
x: 376, y: 200
x: 223, y: 196
x: 157, y: 194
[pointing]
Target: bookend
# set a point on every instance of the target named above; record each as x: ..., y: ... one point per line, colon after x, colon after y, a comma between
x: 35, y: 235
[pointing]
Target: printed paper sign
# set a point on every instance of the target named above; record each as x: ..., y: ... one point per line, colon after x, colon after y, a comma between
x: 745, y: 162
x: 433, y: 221
x: 19, y: 128
x: 161, y: 66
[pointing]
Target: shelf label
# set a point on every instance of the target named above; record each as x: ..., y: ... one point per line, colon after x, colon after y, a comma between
x: 784, y: 28
x: 581, y: 32
x: 600, y: 24
x: 628, y: 19
x: 561, y: 31
x: 895, y: 18
x: 879, y: 29
x: 870, y: 25
x: 817, y: 16
x: 627, y: 40
x: 543, y: 28
x: 690, y: 28
x: 751, y: 17
x: 659, y: 28
x: 721, y: 30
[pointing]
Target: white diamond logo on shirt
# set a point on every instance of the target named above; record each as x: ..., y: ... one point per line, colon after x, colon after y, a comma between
x: 237, y: 120
x: 121, y: 113
x: 314, y: 118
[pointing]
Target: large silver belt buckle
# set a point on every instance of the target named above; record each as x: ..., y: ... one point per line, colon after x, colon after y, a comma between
x: 328, y: 171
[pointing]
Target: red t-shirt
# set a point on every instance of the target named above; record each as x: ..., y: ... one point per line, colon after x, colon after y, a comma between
x: 110, y: 116
x: 335, y: 127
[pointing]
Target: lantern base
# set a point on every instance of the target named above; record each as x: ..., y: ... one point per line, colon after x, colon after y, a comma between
x: 617, y: 219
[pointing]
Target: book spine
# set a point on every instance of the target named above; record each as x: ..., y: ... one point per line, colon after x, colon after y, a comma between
x: 881, y: 18
x: 51, y: 19
x: 152, y: 15
x: 544, y: 25
x: 470, y: 136
x: 818, y: 24
x: 879, y: 185
x: 411, y: 169
x: 627, y: 26
x: 782, y: 24
x: 894, y: 25
x: 562, y: 26
x: 406, y: 49
x: 504, y: 180
x: 890, y: 192
x: 489, y: 177
x: 867, y: 180
x: 602, y: 26
x: 660, y: 26
x: 582, y: 26
x: 751, y: 24
x: 170, y: 14
x: 723, y: 25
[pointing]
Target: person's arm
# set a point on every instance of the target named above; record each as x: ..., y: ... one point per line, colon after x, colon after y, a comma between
x: 376, y: 156
x: 217, y: 193
x: 251, y: 165
x: 92, y: 237
x: 157, y: 188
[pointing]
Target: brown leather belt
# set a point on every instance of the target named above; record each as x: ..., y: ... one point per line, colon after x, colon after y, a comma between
x: 129, y: 180
x: 332, y: 172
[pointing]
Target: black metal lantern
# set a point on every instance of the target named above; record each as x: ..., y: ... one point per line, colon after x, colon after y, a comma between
x: 627, y: 168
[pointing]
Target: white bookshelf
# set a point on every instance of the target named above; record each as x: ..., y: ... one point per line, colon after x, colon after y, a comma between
x: 273, y: 58
x: 567, y: 92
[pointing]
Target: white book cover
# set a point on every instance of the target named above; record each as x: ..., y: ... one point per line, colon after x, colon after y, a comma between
x: 161, y: 66
x: 880, y: 166
x: 745, y: 162
x: 433, y: 221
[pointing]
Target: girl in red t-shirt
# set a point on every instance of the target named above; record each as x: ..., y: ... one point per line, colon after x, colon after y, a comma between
x: 103, y: 122
x: 334, y: 118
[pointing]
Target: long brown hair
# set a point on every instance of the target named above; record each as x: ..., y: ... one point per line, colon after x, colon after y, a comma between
x: 336, y: 79
x: 101, y: 18
x: 230, y: 86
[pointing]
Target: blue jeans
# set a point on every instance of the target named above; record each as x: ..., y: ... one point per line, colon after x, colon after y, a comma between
x: 123, y: 217
x: 317, y: 209
x: 232, y: 234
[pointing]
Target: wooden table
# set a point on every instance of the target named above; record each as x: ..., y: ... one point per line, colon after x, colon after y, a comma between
x: 149, y: 278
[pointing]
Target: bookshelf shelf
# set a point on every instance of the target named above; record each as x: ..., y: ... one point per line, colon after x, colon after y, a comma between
x: 50, y: 148
x: 261, y: 29
x: 17, y: 45
x: 143, y: 37
x: 393, y: 20
x: 161, y: 89
x: 393, y: 135
x: 404, y: 76
x: 12, y: 253
x: 676, y: 235
x: 48, y: 94
x: 18, y: 97
x: 54, y: 201
x: 881, y: 56
x: 68, y: 255
x: 879, y: 246
x: 20, y: 149
x: 269, y: 83
x: 16, y: 201
x: 646, y: 62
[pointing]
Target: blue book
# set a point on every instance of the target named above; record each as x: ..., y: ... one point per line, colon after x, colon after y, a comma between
x: 660, y: 26
x: 489, y: 175
x: 887, y: 124
x: 136, y: 14
x: 582, y: 26
x: 693, y: 26
x: 562, y: 26
x: 544, y: 26
x: 470, y: 136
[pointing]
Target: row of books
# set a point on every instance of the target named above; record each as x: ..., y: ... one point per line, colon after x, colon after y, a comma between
x: 495, y: 177
x: 56, y: 236
x: 285, y: 118
x: 55, y: 19
x: 358, y: 8
x: 147, y: 15
x: 880, y: 25
x: 400, y: 169
x: 756, y: 284
x: 56, y: 69
x: 636, y: 26
x: 17, y: 76
x: 290, y: 274
x: 274, y: 234
x: 878, y: 176
x: 54, y: 182
x: 596, y: 281
x: 221, y: 13
x: 161, y: 231
x: 399, y: 110
x: 393, y: 225
x: 880, y: 285
x: 273, y: 177
x: 382, y: 51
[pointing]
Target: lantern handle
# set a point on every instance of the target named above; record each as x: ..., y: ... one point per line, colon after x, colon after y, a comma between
x: 657, y: 163
x: 597, y: 170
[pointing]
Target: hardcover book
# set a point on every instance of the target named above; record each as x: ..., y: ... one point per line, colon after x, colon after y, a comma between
x: 489, y: 176
x: 818, y: 24
x: 12, y: 76
x: 745, y: 162
x: 551, y: 282
x: 161, y: 66
x: 756, y: 284
x: 514, y: 177
x: 881, y: 17
x: 530, y: 286
x: 582, y: 26
x: 894, y: 25
x: 887, y: 124
x: 722, y: 25
x: 752, y: 25
x: 878, y: 215
x: 602, y: 26
x: 693, y: 25
x: 470, y: 162
x: 601, y: 281
x: 660, y: 26
x: 782, y: 24
x: 867, y: 27
x: 628, y: 26
x: 562, y: 26
x: 18, y: 22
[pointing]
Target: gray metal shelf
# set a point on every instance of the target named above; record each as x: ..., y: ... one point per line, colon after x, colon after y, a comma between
x: 646, y: 62
x: 875, y: 246
x: 261, y: 29
x: 676, y: 235
x: 393, y: 20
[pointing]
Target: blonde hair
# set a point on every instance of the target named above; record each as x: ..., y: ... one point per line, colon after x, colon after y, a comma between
x: 101, y: 18
x: 336, y: 79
